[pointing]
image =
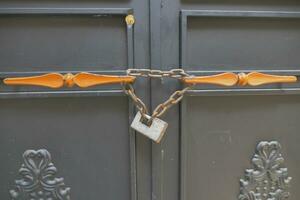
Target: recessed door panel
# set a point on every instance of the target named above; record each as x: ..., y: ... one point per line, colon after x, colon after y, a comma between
x: 219, y: 44
x: 88, y: 139
x: 63, y: 42
x: 220, y: 135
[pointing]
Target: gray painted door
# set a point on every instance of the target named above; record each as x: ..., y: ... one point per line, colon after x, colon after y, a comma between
x: 83, y: 135
x: 212, y: 142
x: 80, y: 135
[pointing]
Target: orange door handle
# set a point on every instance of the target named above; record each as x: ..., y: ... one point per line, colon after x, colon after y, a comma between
x: 231, y: 79
x: 224, y: 79
x: 56, y: 80
x: 51, y: 80
x: 84, y: 79
x: 256, y: 79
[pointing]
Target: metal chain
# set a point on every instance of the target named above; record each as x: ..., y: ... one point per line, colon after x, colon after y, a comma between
x: 172, y: 100
x: 163, y: 107
x: 139, y: 104
x: 173, y: 73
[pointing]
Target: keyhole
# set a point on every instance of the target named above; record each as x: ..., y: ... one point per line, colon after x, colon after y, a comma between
x: 146, y: 121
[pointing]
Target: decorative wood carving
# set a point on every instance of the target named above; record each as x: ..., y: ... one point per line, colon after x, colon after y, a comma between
x: 38, y: 181
x: 268, y: 180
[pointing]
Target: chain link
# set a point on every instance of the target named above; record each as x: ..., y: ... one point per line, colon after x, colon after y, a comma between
x: 173, y: 73
x: 172, y: 100
x: 163, y: 107
x: 139, y: 104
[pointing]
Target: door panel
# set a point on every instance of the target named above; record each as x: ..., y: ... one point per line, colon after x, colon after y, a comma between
x: 219, y: 137
x: 63, y: 42
x: 238, y: 43
x: 90, y: 152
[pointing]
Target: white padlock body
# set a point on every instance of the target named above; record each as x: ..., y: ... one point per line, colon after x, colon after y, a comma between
x: 155, y: 131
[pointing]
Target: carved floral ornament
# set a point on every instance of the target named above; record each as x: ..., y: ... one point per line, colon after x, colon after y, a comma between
x: 38, y: 181
x: 268, y: 180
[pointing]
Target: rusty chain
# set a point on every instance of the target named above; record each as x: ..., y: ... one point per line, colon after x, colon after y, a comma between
x: 163, y: 107
x: 139, y: 104
x: 152, y: 73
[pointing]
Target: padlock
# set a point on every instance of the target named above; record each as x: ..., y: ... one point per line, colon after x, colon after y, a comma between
x: 155, y: 131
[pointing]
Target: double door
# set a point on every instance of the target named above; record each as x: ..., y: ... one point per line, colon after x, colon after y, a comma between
x: 76, y: 143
